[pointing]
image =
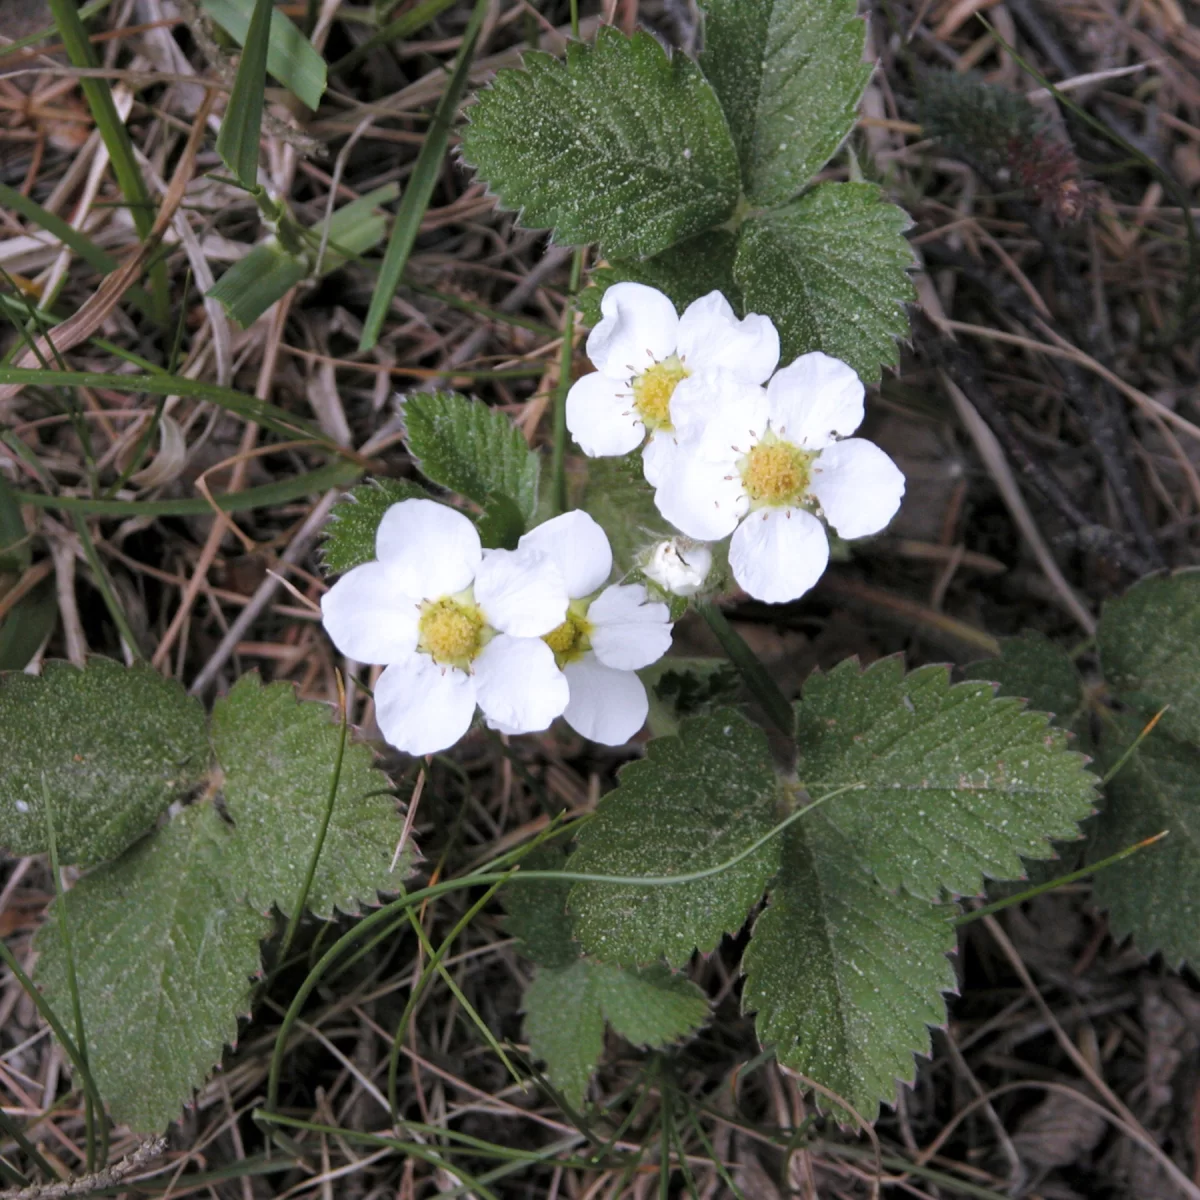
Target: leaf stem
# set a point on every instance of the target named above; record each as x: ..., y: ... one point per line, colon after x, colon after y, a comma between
x: 765, y: 689
x: 326, y: 817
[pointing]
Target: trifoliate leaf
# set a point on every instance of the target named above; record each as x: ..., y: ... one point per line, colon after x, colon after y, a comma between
x: 695, y: 802
x: 685, y: 272
x: 619, y: 145
x: 1150, y: 649
x: 164, y: 950
x: 349, y: 536
x: 1033, y: 668
x: 949, y: 783
x: 845, y: 976
x: 621, y: 502
x: 830, y: 270
x: 790, y: 75
x: 114, y: 746
x: 537, y: 911
x: 278, y: 757
x: 565, y: 1012
x: 471, y: 449
x: 1154, y: 894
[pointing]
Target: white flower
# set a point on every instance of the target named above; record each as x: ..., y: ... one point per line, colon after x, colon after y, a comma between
x: 455, y: 625
x: 679, y: 566
x: 761, y: 463
x: 606, y: 637
x: 642, y: 350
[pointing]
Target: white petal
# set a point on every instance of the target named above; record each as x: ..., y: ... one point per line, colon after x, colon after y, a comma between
x: 777, y: 554
x: 369, y: 618
x: 725, y: 414
x: 578, y: 547
x: 628, y: 630
x: 638, y: 328
x: 858, y: 486
x: 521, y: 592
x: 606, y: 706
x: 520, y: 688
x: 815, y: 400
x: 700, y: 498
x: 431, y: 550
x: 601, y: 416
x: 710, y: 335
x: 421, y: 707
x: 679, y: 566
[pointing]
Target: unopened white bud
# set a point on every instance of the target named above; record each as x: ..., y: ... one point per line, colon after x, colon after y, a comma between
x: 679, y: 565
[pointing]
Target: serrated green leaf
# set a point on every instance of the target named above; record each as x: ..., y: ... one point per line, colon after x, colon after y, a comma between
x: 277, y: 756
x: 565, y: 1012
x: 790, y: 74
x: 685, y: 272
x: 619, y: 145
x: 845, y: 976
x: 830, y: 270
x: 687, y: 687
x: 621, y: 502
x: 164, y: 951
x: 1033, y: 668
x: 693, y: 803
x: 954, y: 783
x: 115, y: 746
x: 537, y: 911
x: 471, y: 449
x: 1155, y: 894
x: 1149, y: 643
x: 349, y: 537
x: 291, y: 57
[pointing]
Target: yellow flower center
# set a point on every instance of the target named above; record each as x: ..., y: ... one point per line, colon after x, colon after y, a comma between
x: 776, y: 473
x: 572, y: 639
x: 451, y: 631
x: 653, y: 389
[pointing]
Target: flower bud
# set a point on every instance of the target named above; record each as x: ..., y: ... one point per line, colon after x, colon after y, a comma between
x: 679, y: 565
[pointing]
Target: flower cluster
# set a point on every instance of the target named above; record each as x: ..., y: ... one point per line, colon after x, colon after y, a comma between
x: 525, y: 635
x: 731, y: 445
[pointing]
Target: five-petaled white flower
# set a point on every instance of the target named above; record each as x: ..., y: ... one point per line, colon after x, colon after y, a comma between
x: 760, y: 463
x: 643, y: 350
x: 678, y: 565
x: 607, y: 635
x: 455, y: 625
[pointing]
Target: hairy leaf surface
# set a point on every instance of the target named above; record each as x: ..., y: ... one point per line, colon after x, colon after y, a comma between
x: 685, y: 272
x: 114, y: 746
x: 164, y: 951
x: 694, y: 802
x: 537, y: 911
x: 1155, y: 894
x: 566, y: 1008
x: 1031, y: 667
x: 790, y: 75
x: 954, y: 784
x: 349, y: 535
x: 619, y: 145
x: 845, y: 976
x: 830, y: 270
x: 278, y: 757
x: 1150, y: 649
x: 471, y: 449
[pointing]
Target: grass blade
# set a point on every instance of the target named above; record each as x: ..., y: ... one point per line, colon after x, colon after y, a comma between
x: 420, y: 187
x: 291, y: 57
x: 68, y: 21
x: 241, y: 126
